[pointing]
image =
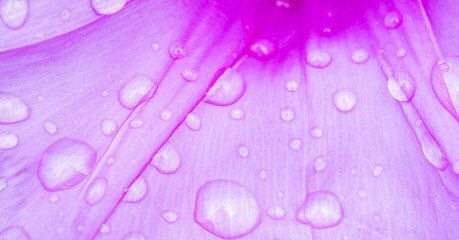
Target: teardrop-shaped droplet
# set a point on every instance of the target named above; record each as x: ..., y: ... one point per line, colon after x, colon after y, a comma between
x: 134, y: 236
x: 228, y: 88
x: 169, y: 216
x: 189, y: 75
x: 275, y: 212
x: 433, y: 152
x: 178, y: 50
x: 167, y: 160
x: 318, y: 58
x: 262, y: 49
x: 291, y: 86
x: 319, y: 163
x: 3, y: 183
x: 96, y: 191
x: 136, y: 91
x: 226, y: 209
x: 344, y: 100
x: 295, y: 144
x: 360, y: 56
x: 8, y: 140
x: 65, y: 163
x: 193, y: 122
x: 445, y: 83
x: 321, y: 209
x: 393, y: 20
x: 50, y: 127
x: 14, y: 233
x: 12, y: 109
x: 287, y: 114
x: 14, y: 12
x: 107, y: 7
x: 401, y: 86
x: 317, y: 132
x: 237, y: 113
x: 243, y: 151
x: 137, y: 191
x: 108, y: 127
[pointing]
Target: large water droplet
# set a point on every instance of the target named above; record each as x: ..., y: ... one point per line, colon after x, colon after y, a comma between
x: 178, y: 50
x: 287, y: 114
x: 228, y: 88
x: 8, y: 140
x: 14, y: 233
x: 50, y: 127
x: 136, y: 91
x: 108, y: 127
x: 65, y: 163
x: 137, y: 191
x: 360, y: 56
x: 107, y: 7
x: 134, y: 236
x: 319, y: 163
x: 12, y: 109
x: 262, y: 49
x: 237, y: 113
x: 14, y: 12
x: 320, y: 210
x: 344, y: 100
x: 167, y: 160
x: 169, y: 216
x: 193, y: 122
x: 445, y: 82
x: 96, y: 191
x: 318, y: 58
x: 226, y: 209
x: 401, y: 86
x: 275, y: 212
x: 3, y: 183
x: 393, y: 20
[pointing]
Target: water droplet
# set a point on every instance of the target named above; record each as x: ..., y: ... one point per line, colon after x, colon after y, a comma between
x: 50, y: 127
x: 14, y: 233
x: 3, y: 183
x: 65, y: 14
x: 262, y: 49
x: 193, y: 122
x: 155, y: 46
x: 243, y: 151
x: 317, y: 132
x: 169, y: 216
x: 12, y: 109
x: 136, y: 91
x: 275, y: 212
x: 167, y: 160
x: 104, y: 93
x: 226, y: 209
x: 110, y: 161
x: 401, y: 53
x: 14, y: 12
x: 401, y: 86
x: 54, y: 198
x: 320, y: 210
x: 344, y: 100
x: 134, y: 236
x: 40, y: 99
x: 360, y: 56
x: 295, y: 144
x: 362, y: 193
x: 393, y: 20
x: 318, y: 58
x: 65, y: 163
x: 96, y: 191
x: 433, y: 153
x: 178, y: 50
x: 190, y: 75
x: 377, y: 170
x: 136, y: 123
x: 445, y: 83
x: 166, y: 115
x: 262, y: 174
x: 108, y: 127
x: 319, y: 163
x: 105, y: 229
x: 456, y: 167
x: 237, y: 113
x: 8, y: 140
x: 291, y: 86
x: 228, y: 88
x: 377, y: 218
x: 137, y: 191
x: 285, y: 3
x: 107, y: 7
x: 287, y: 114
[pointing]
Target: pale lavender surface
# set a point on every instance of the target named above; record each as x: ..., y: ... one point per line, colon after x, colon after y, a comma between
x: 194, y: 119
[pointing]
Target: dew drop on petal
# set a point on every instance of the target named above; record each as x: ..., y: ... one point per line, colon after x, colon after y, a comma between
x: 50, y: 127
x: 8, y: 140
x: 14, y: 233
x: 96, y: 191
x: 193, y: 122
x: 65, y: 163
x: 321, y: 209
x: 40, y: 99
x: 226, y: 209
x: 262, y: 49
x: 169, y: 216
x: 189, y: 75
x: 275, y: 212
x: 262, y: 174
x: 107, y: 7
x: 291, y: 86
x: 165, y: 115
x: 14, y: 12
x: 134, y: 236
x: 105, y: 229
x: 377, y: 170
x: 167, y: 160
x: 344, y: 100
x: 318, y: 58
x: 243, y: 151
x: 137, y: 191
x: 3, y: 183
x: 317, y: 132
x: 237, y: 113
x: 433, y: 153
x: 178, y: 50
x: 455, y: 168
x: 136, y: 123
x: 136, y: 91
x: 295, y: 144
x: 401, y: 86
x: 228, y: 88
x: 393, y: 20
x: 319, y: 163
x: 360, y: 56
x: 445, y: 83
x: 287, y: 114
x: 108, y: 127
x: 12, y: 109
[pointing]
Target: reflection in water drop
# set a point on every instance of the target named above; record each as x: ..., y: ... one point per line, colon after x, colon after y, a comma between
x: 193, y: 122
x: 445, y: 83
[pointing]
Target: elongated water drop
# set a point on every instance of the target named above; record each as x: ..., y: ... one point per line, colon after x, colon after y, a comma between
x: 193, y: 122
x: 226, y: 209
x: 3, y: 183
x: 107, y: 7
x: 401, y: 86
x: 167, y: 160
x: 136, y: 91
x: 393, y: 20
x: 445, y: 82
x: 12, y: 109
x: 8, y: 140
x: 65, y: 163
x: 321, y: 209
x: 137, y: 191
x: 433, y: 153
x: 228, y: 88
x: 14, y: 12
x: 344, y: 100
x: 169, y: 216
x: 96, y: 191
x: 318, y: 58
x: 14, y: 233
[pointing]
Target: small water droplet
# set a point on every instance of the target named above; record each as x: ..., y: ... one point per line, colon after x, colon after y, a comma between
x: 318, y: 58
x: 136, y: 91
x: 226, y: 209
x: 105, y: 228
x: 108, y: 127
x: 14, y: 233
x: 110, y: 161
x: 227, y: 90
x: 317, y: 132
x: 136, y: 123
x: 377, y: 170
x: 12, y: 109
x: 362, y: 193
x: 401, y: 86
x: 104, y: 93
x: 134, y: 236
x: 401, y: 53
x: 96, y: 191
x: 107, y: 7
x: 54, y: 198
x: 3, y: 183
x: 295, y: 144
x: 167, y: 160
x: 166, y: 115
x: 193, y: 122
x: 360, y: 56
x: 65, y: 163
x: 155, y: 46
x: 287, y: 114
x: 319, y: 163
x: 280, y: 194
x: 262, y: 49
x: 178, y: 50
x: 237, y: 113
x: 291, y: 86
x: 344, y: 100
x: 393, y: 20
x: 14, y: 12
x: 8, y: 141
x: 275, y: 212
x: 169, y: 216
x: 243, y: 151
x: 65, y: 14
x: 50, y: 127
x: 320, y: 210
x: 137, y: 191
x: 285, y: 3
x: 189, y: 75
x: 262, y: 174
x: 377, y: 218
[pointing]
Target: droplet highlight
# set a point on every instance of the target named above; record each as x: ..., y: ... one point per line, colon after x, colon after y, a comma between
x: 189, y: 75
x: 243, y: 151
x: 237, y: 113
x: 321, y: 209
x: 319, y: 163
x: 49, y: 127
x: 96, y: 191
x: 295, y: 144
x: 178, y: 50
x: 317, y: 132
x: 165, y: 115
x: 360, y: 56
x: 12, y: 109
x: 377, y: 171
x: 167, y: 160
x: 136, y: 91
x: 262, y: 49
